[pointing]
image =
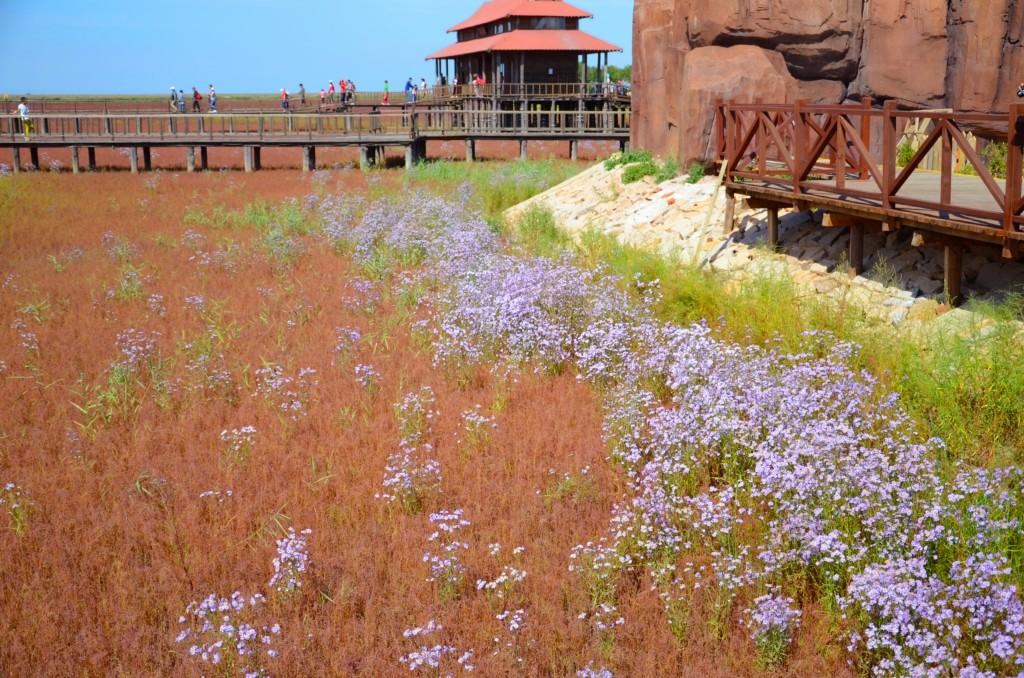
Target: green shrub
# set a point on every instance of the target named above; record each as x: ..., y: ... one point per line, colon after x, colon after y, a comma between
x: 904, y: 153
x: 995, y: 157
x: 627, y: 158
x: 695, y: 173
x: 670, y: 170
x: 638, y: 171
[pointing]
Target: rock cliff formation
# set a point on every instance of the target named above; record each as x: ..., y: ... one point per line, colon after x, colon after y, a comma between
x: 961, y: 54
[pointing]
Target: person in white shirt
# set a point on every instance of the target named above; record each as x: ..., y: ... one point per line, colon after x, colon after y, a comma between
x: 26, y: 119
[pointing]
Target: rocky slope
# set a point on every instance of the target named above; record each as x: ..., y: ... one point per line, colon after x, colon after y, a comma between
x: 961, y: 54
x: 901, y: 282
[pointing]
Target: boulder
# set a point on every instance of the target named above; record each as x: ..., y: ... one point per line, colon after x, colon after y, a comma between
x: 658, y: 52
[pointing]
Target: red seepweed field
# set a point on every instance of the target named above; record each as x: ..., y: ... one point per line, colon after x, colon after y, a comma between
x: 144, y: 319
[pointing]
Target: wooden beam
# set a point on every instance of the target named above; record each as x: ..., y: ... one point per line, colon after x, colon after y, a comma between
x: 856, y: 251
x: 954, y: 272
x: 773, y: 228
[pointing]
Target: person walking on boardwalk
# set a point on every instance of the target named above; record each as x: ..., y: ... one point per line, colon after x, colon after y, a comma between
x: 302, y: 94
x: 409, y: 87
x: 181, y: 101
x: 386, y: 91
x: 284, y: 100
x: 213, y: 100
x: 351, y: 92
x: 174, y: 100
x: 330, y: 92
x: 26, y: 119
x: 341, y: 91
x: 196, y: 98
x: 323, y: 97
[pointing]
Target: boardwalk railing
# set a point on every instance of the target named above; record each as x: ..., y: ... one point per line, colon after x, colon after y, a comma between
x: 797, y: 152
x: 381, y: 126
x: 272, y: 103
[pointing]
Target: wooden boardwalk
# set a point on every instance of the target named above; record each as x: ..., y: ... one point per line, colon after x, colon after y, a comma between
x: 829, y: 158
x: 371, y: 131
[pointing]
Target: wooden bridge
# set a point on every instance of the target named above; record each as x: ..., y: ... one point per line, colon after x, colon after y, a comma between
x: 844, y: 160
x: 371, y: 129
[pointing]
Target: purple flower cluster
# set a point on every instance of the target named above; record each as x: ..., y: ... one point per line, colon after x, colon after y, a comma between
x: 446, y: 570
x: 240, y: 443
x: 223, y: 632
x: 410, y: 476
x: 286, y: 393
x: 18, y: 505
x: 348, y: 337
x: 291, y: 562
x: 137, y: 349
x: 767, y: 459
x: 503, y: 585
x: 367, y: 377
x: 431, y: 657
x: 416, y: 415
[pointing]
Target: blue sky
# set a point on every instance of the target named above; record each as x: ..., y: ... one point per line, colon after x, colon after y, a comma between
x: 139, y: 47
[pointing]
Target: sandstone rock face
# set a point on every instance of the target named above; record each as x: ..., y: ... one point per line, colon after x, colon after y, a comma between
x: 742, y: 73
x: 819, y: 38
x: 962, y: 54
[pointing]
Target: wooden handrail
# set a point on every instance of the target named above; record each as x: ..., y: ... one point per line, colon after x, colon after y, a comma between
x: 825, y: 149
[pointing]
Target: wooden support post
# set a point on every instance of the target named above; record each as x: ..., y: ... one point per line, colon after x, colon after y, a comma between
x: 574, y: 149
x: 256, y: 159
x: 247, y: 159
x: 856, y: 251
x: 623, y: 145
x: 147, y: 159
x: 91, y: 153
x: 308, y: 158
x: 729, y: 221
x: 523, y: 143
x: 75, y: 167
x: 410, y: 157
x: 364, y: 157
x: 15, y: 159
x: 954, y: 270
x: 773, y: 228
x: 33, y: 155
x: 946, y: 180
x: 190, y: 158
x: 204, y: 158
x: 470, y: 150
x: 133, y: 157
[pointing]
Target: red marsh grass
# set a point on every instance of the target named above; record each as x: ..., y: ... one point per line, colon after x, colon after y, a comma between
x: 119, y: 540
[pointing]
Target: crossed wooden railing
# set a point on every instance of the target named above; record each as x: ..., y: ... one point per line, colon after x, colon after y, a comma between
x: 801, y: 151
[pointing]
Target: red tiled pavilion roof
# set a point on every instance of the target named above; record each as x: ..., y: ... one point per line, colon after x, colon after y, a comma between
x: 528, y: 41
x: 496, y: 10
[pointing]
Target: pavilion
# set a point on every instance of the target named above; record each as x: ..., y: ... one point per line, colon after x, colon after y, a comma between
x: 519, y: 42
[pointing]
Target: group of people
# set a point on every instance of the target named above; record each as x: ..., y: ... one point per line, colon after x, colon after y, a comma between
x: 344, y: 93
x: 178, y: 100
